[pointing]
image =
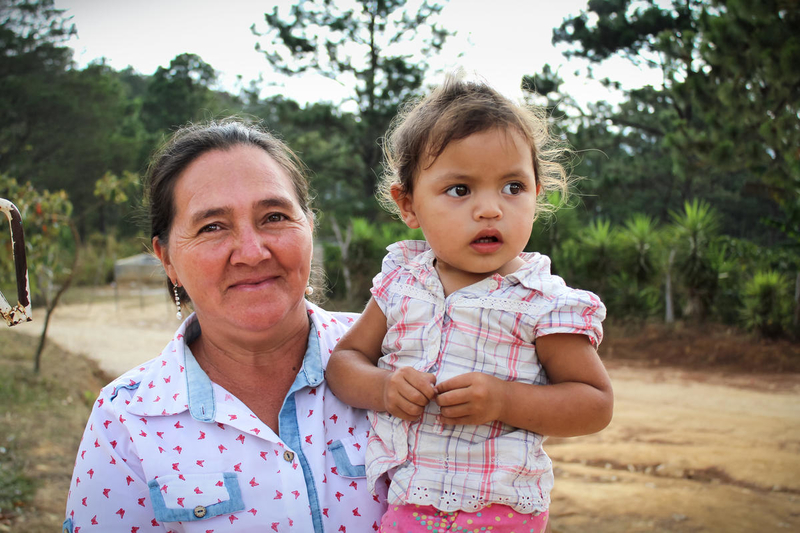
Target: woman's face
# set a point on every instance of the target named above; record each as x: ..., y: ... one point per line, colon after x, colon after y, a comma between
x: 240, y: 244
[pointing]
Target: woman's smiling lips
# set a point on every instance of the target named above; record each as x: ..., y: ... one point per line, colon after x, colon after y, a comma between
x: 252, y: 283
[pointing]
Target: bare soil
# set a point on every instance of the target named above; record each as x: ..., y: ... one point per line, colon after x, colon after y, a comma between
x: 705, y: 436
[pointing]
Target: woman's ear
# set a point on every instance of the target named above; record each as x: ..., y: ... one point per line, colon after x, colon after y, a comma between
x: 538, y: 188
x: 162, y: 253
x: 406, y: 206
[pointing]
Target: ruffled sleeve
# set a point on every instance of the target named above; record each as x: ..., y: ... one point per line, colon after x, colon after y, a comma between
x: 400, y: 255
x: 572, y: 311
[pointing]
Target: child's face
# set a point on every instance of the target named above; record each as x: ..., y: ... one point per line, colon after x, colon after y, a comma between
x: 475, y: 204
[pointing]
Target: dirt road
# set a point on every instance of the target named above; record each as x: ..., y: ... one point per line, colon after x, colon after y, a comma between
x: 686, y: 451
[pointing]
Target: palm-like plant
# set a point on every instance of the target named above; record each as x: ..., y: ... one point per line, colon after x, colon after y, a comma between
x: 695, y: 230
x: 599, y: 247
x: 639, y: 241
x: 767, y: 303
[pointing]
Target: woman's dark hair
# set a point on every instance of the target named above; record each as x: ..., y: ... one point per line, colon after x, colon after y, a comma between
x: 191, y: 142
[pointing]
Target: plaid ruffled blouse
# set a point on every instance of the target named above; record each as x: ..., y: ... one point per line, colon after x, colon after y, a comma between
x: 490, y: 327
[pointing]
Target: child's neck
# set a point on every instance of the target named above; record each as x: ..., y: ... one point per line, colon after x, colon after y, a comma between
x: 453, y: 279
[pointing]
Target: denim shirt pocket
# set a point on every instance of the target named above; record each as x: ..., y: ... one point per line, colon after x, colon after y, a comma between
x: 192, y: 497
x: 348, y: 454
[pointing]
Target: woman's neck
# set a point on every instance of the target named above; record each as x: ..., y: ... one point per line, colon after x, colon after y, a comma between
x: 239, y: 357
x: 260, y: 373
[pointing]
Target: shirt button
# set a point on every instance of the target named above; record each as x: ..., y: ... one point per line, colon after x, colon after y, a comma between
x: 288, y: 456
x: 493, y: 285
x: 200, y: 511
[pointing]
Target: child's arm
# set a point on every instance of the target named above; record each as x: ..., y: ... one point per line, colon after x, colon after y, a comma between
x: 578, y: 400
x: 355, y: 379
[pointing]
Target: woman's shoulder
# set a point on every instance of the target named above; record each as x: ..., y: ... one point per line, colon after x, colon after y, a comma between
x: 154, y: 381
x: 325, y: 320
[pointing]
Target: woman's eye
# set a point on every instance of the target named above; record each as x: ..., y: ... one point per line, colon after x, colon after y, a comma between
x: 513, y: 188
x: 457, y: 191
x: 275, y: 217
x: 208, y: 228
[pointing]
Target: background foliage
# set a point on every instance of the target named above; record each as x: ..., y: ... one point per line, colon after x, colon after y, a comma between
x: 689, y: 209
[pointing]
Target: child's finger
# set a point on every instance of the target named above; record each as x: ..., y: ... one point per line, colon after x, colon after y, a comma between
x: 457, y: 382
x: 423, y: 382
x: 452, y: 397
x: 457, y: 411
x: 413, y: 395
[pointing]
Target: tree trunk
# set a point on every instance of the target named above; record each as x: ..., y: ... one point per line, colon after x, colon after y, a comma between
x: 37, y: 358
x: 344, y: 249
x: 669, y: 310
x: 796, y: 319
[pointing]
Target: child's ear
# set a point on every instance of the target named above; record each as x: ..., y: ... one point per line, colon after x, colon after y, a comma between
x: 406, y: 206
x: 538, y: 188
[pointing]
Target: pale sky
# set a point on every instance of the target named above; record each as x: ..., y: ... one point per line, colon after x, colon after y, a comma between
x: 500, y: 40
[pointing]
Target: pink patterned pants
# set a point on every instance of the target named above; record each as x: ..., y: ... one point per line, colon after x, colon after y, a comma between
x: 491, y: 519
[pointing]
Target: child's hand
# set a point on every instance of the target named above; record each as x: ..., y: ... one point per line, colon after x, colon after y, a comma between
x: 407, y: 391
x: 472, y: 398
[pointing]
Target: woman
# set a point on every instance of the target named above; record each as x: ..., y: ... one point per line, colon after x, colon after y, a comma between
x: 231, y: 427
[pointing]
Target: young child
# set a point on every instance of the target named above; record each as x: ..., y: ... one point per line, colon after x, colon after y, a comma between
x: 470, y: 351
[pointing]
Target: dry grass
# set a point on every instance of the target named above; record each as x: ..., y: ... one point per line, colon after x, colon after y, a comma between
x: 41, y: 421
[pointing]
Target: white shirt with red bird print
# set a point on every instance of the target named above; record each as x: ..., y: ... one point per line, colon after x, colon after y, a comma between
x: 167, y: 450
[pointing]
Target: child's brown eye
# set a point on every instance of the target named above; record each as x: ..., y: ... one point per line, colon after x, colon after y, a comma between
x: 513, y: 188
x: 457, y: 190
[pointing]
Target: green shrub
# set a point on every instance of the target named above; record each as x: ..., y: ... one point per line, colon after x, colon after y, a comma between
x: 767, y: 304
x: 629, y: 299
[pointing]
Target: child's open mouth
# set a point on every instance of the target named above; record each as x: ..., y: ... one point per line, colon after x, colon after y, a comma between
x: 487, y: 242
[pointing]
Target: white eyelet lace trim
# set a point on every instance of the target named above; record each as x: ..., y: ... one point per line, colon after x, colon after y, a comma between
x: 502, y: 304
x: 453, y: 501
x: 413, y: 292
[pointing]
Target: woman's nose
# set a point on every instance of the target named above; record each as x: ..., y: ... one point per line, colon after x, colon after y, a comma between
x: 250, y: 247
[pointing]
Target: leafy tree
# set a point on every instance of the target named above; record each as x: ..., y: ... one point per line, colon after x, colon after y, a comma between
x: 366, y: 44
x: 179, y: 93
x: 52, y: 241
x: 51, y: 244
x: 31, y: 61
x: 61, y: 127
x: 726, y: 113
x: 85, y: 126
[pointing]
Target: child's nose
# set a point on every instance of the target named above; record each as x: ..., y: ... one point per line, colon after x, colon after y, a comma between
x: 487, y: 208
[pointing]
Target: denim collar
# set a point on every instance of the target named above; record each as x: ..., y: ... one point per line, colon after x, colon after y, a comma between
x: 202, y: 404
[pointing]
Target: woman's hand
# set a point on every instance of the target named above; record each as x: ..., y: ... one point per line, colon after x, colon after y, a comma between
x: 407, y: 391
x: 472, y: 398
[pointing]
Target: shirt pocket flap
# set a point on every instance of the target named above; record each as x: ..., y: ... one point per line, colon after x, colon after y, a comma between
x: 348, y: 454
x: 188, y: 497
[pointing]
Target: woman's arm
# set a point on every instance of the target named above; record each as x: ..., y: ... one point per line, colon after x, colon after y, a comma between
x: 578, y: 401
x: 355, y: 379
x: 107, y: 488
